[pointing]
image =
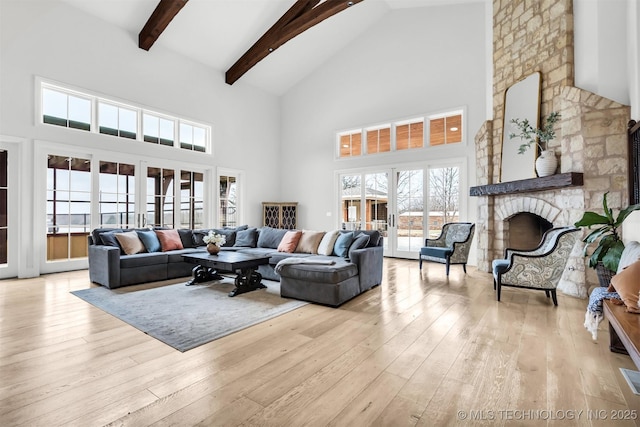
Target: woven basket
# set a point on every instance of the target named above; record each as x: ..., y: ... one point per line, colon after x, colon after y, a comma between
x: 604, y: 274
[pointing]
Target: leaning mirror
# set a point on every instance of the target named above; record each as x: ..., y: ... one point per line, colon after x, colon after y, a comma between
x: 521, y: 101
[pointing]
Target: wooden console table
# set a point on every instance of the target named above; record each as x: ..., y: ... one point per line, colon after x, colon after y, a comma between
x: 624, y: 329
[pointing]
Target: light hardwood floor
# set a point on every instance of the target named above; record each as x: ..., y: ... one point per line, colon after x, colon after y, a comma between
x: 419, y: 350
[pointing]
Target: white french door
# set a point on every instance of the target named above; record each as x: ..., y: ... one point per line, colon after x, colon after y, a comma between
x: 407, y: 207
x: 406, y: 204
x: 86, y: 191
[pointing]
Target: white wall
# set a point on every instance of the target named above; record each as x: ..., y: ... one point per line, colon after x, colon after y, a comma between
x: 602, y: 43
x: 412, y: 62
x: 55, y: 41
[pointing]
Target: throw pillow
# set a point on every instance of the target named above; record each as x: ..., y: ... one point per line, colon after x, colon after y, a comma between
x: 198, y: 236
x: 343, y: 242
x: 627, y: 284
x: 309, y: 242
x: 328, y: 242
x: 630, y: 254
x: 229, y: 235
x: 130, y: 242
x: 247, y: 238
x: 270, y: 237
x: 169, y: 240
x: 186, y: 237
x: 290, y: 241
x: 149, y: 240
x: 374, y: 237
x: 98, y: 232
x: 109, y: 238
x: 360, y: 241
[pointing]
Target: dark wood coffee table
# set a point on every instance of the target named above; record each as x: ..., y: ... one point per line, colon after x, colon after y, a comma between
x: 248, y: 279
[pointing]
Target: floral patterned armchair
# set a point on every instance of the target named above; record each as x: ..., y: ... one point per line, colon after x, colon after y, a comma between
x: 540, y: 268
x: 451, y: 247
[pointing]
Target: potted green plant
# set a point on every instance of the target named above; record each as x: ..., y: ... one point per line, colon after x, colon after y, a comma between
x: 546, y: 163
x: 605, y: 236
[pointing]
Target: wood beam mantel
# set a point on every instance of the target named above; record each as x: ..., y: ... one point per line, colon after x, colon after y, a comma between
x: 164, y: 12
x: 303, y: 15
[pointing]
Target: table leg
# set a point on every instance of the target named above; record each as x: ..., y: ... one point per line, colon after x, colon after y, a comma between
x: 615, y: 343
x: 203, y: 274
x: 246, y: 281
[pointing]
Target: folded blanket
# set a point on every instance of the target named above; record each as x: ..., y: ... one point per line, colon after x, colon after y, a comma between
x: 594, y: 314
x: 294, y: 260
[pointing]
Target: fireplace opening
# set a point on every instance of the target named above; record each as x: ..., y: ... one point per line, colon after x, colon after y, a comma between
x: 526, y: 230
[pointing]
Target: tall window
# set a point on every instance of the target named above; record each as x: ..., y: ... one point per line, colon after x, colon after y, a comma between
x: 63, y: 109
x: 379, y: 140
x: 410, y: 135
x: 68, y: 207
x: 444, y: 198
x: 160, y: 190
x: 117, y: 121
x: 191, y: 199
x: 3, y: 207
x: 228, y: 216
x: 376, y: 193
x: 445, y: 129
x: 351, y: 201
x: 117, y: 195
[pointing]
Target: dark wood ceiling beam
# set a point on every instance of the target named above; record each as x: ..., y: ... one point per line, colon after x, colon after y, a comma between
x: 164, y: 12
x: 303, y: 15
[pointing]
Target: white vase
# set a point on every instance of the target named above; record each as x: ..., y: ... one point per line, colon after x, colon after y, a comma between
x: 546, y: 163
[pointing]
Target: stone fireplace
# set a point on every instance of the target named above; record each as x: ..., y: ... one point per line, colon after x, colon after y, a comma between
x: 590, y: 144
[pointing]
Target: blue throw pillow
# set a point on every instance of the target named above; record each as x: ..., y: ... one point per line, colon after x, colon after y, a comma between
x: 341, y: 248
x: 149, y: 240
x: 247, y: 238
x: 270, y: 237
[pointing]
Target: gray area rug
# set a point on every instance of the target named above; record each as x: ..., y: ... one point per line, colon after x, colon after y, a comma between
x: 185, y: 317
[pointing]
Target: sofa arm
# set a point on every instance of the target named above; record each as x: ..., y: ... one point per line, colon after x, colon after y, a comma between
x: 104, y: 265
x: 369, y: 262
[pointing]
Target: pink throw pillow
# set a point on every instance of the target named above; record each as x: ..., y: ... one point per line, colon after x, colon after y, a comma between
x: 169, y: 240
x: 290, y: 241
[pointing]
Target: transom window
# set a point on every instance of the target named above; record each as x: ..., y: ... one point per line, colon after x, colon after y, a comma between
x: 70, y: 108
x: 157, y: 130
x: 379, y: 140
x: 63, y: 109
x: 192, y: 137
x: 350, y: 143
x: 117, y: 121
x: 445, y: 129
x: 408, y: 134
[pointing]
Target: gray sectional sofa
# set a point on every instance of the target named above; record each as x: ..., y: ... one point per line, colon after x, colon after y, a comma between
x: 328, y: 279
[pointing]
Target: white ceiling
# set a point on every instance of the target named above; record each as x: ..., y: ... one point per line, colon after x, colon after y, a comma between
x: 218, y: 32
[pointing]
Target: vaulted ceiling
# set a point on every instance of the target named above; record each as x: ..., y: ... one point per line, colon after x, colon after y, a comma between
x: 218, y: 32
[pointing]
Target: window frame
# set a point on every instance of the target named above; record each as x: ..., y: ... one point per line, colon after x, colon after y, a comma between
x: 97, y: 99
x: 424, y: 118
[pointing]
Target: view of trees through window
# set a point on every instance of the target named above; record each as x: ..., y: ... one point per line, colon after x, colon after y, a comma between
x: 368, y: 206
